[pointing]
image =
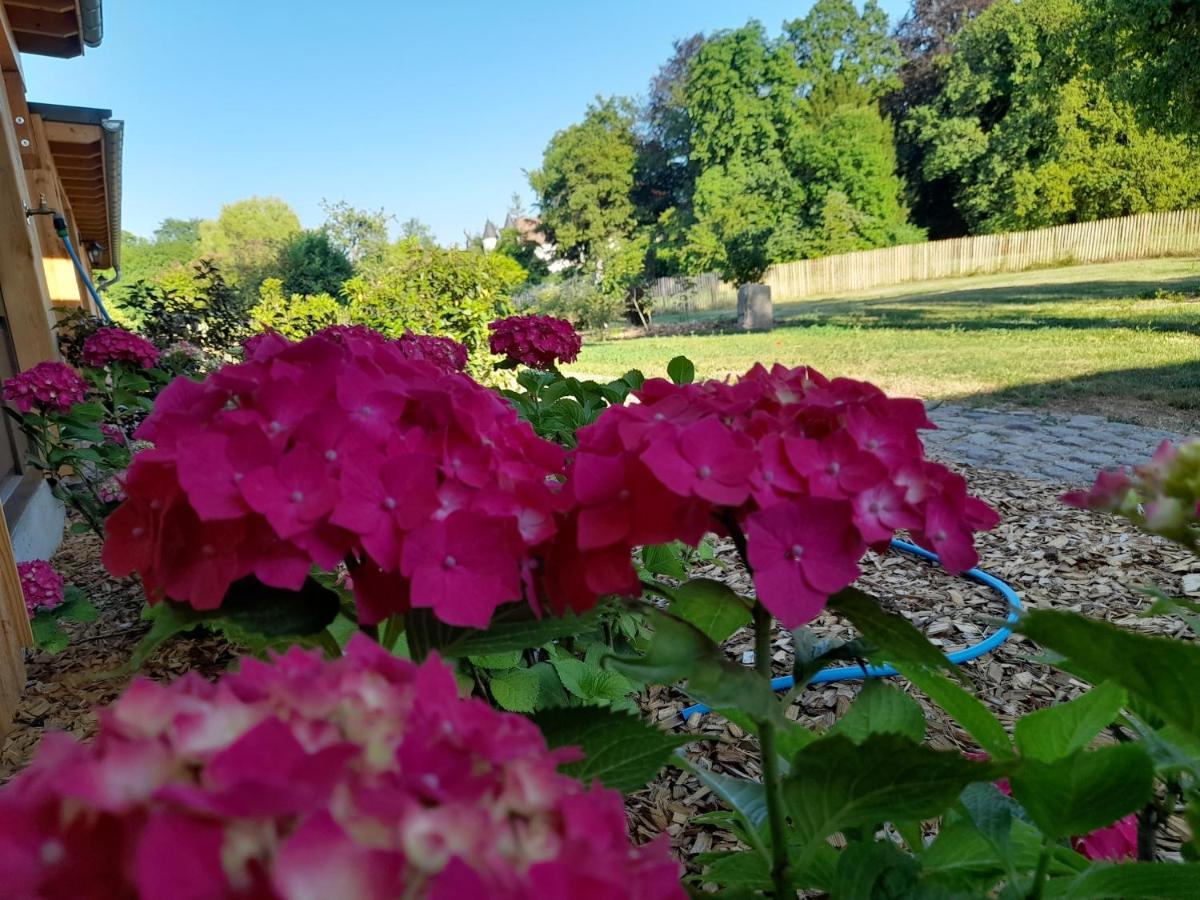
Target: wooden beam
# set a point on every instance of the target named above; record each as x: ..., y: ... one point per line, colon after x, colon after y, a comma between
x: 22, y: 122
x: 15, y: 632
x: 72, y: 133
x: 54, y: 6
x: 44, y: 22
x: 62, y: 281
x: 23, y: 288
x: 10, y: 56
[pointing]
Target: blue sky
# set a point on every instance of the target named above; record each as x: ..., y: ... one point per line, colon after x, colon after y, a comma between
x: 429, y: 109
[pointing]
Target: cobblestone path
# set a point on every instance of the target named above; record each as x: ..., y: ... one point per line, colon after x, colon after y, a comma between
x: 1062, y: 448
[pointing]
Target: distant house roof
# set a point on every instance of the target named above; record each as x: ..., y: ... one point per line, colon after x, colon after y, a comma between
x: 489, y: 230
x: 87, y: 146
x: 61, y: 28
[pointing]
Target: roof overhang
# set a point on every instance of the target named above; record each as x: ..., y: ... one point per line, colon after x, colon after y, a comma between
x: 86, y: 145
x: 60, y: 28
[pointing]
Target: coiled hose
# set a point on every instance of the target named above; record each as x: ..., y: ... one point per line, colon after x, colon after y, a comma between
x: 847, y: 673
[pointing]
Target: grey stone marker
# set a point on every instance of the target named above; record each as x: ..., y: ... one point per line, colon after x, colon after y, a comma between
x: 755, y: 310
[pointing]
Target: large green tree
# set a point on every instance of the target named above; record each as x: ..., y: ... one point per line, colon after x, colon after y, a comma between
x: 925, y: 37
x: 310, y: 264
x: 1026, y: 136
x: 741, y: 100
x: 585, y: 194
x: 1150, y: 50
x: 845, y: 57
x: 361, y: 234
x: 247, y: 237
x: 794, y: 159
x: 847, y: 161
x: 665, y: 175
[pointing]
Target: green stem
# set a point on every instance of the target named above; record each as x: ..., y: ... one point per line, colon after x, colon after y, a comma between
x: 392, y: 631
x: 327, y: 642
x: 1148, y: 819
x: 772, y: 781
x: 1043, y: 869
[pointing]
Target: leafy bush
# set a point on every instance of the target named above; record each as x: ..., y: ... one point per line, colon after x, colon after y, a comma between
x: 438, y: 291
x: 577, y: 299
x: 311, y: 264
x: 297, y: 316
x: 213, y: 316
x: 50, y: 602
x: 77, y: 428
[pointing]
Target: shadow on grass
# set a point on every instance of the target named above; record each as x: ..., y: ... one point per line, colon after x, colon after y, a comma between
x: 976, y: 309
x: 992, y: 308
x: 1161, y: 396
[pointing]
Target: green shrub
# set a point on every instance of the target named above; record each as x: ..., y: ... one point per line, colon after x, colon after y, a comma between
x: 211, y: 314
x: 578, y: 300
x: 435, y: 290
x: 295, y: 317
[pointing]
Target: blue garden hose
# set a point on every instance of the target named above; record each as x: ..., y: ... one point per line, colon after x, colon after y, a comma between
x: 847, y: 673
x: 60, y: 226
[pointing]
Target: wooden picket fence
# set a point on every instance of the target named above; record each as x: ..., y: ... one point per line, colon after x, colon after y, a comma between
x: 1143, y: 236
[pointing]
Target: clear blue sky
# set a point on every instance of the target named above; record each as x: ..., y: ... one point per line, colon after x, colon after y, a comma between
x: 430, y: 109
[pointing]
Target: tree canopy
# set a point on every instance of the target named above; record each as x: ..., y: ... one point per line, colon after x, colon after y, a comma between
x: 1025, y: 138
x: 247, y: 236
x: 310, y: 264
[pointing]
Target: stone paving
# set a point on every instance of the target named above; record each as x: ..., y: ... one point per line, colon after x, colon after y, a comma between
x: 1064, y: 448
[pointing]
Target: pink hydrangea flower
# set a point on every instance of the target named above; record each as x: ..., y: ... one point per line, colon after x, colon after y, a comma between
x: 262, y: 341
x: 115, y: 344
x: 1116, y: 842
x: 365, y: 778
x: 184, y: 349
x: 445, y: 353
x: 1162, y: 495
x: 48, y: 387
x: 41, y: 585
x: 339, y: 448
x: 112, y: 490
x: 539, y: 342
x: 113, y: 434
x: 812, y: 471
x: 802, y: 552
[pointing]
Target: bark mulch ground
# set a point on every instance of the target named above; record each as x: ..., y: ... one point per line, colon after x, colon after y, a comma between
x: 1052, y: 555
x: 62, y: 690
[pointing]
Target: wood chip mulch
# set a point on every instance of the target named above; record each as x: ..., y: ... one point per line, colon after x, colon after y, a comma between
x: 62, y: 690
x: 1052, y: 555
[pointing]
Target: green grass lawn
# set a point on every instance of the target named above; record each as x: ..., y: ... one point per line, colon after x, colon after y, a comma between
x: 1085, y: 338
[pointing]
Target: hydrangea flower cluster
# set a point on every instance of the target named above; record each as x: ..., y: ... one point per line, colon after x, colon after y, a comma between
x: 362, y: 778
x: 113, y: 433
x: 183, y: 349
x: 539, y: 342
x: 1161, y: 496
x: 338, y: 448
x: 41, y: 586
x: 48, y: 387
x: 112, y: 490
x: 812, y: 471
x: 115, y: 344
x: 445, y: 353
